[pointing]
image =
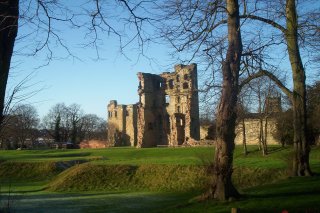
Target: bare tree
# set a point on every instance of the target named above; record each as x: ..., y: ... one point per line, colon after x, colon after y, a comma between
x: 93, y: 127
x: 263, y: 91
x: 296, y: 32
x: 26, y: 120
x: 42, y: 22
x: 69, y: 123
x: 9, y: 11
x: 197, y: 28
x: 313, y: 106
x: 74, y: 116
x: 53, y: 122
x: 242, y: 113
x: 212, y: 30
x: 16, y: 95
x: 226, y: 118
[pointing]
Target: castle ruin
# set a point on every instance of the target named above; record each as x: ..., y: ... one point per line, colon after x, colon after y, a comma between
x: 167, y: 112
x: 260, y: 125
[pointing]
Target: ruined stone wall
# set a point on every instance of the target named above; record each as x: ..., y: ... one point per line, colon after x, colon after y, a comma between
x: 120, y: 124
x: 113, y: 122
x: 204, y: 132
x: 150, y: 115
x: 167, y: 112
x: 182, y: 105
x: 175, y: 106
x: 252, y: 127
x: 131, y: 124
x: 93, y: 144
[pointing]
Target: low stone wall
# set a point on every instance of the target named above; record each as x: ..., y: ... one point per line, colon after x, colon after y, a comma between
x: 93, y: 144
x: 252, y: 131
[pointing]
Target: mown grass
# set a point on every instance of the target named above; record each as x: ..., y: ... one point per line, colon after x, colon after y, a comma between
x: 136, y: 180
x: 278, y: 158
x: 176, y: 169
x: 294, y: 195
x: 93, y: 177
x: 133, y: 156
x: 299, y: 194
x: 28, y: 171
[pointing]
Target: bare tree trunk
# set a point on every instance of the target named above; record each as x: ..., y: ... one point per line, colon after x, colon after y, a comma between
x: 265, y: 145
x: 260, y: 120
x: 9, y: 11
x: 223, y: 187
x: 57, y: 136
x: 244, y: 138
x: 301, y: 165
x: 259, y: 145
x: 261, y: 135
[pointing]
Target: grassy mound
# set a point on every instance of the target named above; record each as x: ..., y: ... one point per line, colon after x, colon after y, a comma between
x: 89, y: 177
x: 170, y: 177
x: 177, y: 156
x: 25, y: 171
x: 176, y: 169
x: 95, y: 177
x: 245, y: 177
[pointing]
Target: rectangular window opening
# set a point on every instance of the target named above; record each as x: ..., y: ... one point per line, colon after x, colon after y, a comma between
x: 167, y: 99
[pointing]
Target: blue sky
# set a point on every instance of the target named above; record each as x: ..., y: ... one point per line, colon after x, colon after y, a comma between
x: 83, y: 80
x: 86, y: 81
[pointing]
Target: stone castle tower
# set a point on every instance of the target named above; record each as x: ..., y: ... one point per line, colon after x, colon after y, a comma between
x: 273, y: 105
x: 122, y: 124
x: 167, y: 112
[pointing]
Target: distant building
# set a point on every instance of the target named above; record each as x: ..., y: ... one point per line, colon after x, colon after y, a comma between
x: 254, y: 124
x: 264, y: 123
x: 122, y: 124
x: 167, y: 112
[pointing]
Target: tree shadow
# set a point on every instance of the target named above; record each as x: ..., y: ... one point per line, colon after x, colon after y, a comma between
x: 276, y: 149
x: 292, y: 187
x: 280, y: 195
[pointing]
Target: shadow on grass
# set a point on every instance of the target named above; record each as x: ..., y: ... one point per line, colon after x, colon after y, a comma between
x: 276, y: 149
x: 287, y: 195
x: 298, y: 194
x: 93, y: 202
x: 62, y: 155
x: 23, y: 191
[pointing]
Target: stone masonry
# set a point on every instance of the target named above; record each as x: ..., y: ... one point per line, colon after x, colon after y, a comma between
x: 122, y: 124
x: 254, y: 121
x: 255, y: 124
x: 167, y: 112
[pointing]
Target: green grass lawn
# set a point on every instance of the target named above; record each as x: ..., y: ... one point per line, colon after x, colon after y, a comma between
x: 129, y: 156
x: 133, y: 156
x: 113, y: 176
x: 294, y: 195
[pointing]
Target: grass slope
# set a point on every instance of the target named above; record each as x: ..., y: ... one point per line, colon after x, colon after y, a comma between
x: 294, y: 194
x: 132, y: 179
x: 123, y: 155
x: 92, y: 177
x: 300, y: 194
x: 24, y: 171
x: 133, y: 156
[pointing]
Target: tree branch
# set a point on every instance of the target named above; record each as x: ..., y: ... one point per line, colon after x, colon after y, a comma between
x: 271, y: 76
x: 267, y: 21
